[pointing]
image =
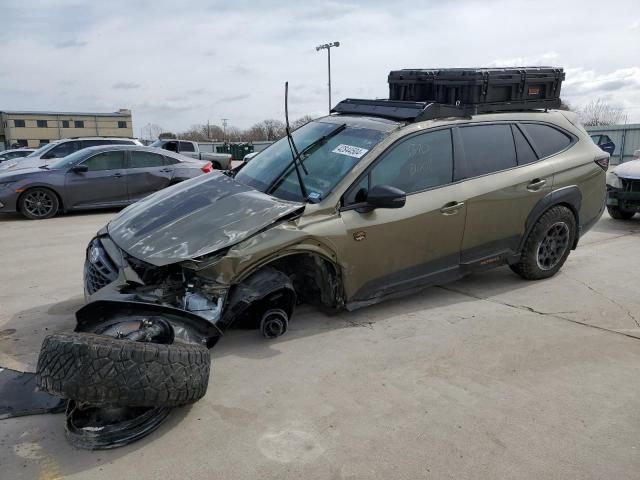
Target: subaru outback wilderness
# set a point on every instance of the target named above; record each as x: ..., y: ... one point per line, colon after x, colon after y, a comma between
x: 380, y: 199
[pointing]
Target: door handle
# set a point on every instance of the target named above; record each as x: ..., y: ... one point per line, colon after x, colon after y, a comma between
x: 117, y: 175
x: 536, y: 184
x: 166, y: 170
x: 451, y: 208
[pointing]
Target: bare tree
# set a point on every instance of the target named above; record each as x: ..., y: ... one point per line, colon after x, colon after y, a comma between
x: 269, y: 130
x: 599, y: 112
x: 151, y: 131
x: 203, y: 133
x: 166, y: 135
x: 301, y: 121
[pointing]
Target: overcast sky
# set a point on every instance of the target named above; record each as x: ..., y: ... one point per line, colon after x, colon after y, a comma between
x: 181, y: 63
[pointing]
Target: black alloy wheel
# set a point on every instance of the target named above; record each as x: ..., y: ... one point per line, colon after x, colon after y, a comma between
x: 553, y: 246
x: 39, y: 203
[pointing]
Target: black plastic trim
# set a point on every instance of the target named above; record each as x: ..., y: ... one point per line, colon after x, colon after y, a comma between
x: 571, y: 196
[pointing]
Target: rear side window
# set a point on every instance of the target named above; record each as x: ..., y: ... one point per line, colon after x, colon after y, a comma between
x: 547, y: 140
x: 105, y: 161
x: 187, y: 147
x: 487, y: 149
x: 145, y: 160
x: 523, y: 149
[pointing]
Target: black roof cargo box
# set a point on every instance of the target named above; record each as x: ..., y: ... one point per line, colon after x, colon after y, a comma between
x: 514, y: 87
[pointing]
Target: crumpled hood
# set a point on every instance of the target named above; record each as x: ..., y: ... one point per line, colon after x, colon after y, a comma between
x: 195, y: 218
x: 629, y: 169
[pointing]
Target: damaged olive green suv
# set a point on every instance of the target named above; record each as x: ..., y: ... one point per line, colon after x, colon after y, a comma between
x: 380, y: 199
x: 376, y: 207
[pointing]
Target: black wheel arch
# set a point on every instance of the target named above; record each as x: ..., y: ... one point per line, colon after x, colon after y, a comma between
x: 569, y: 197
x: 299, y: 275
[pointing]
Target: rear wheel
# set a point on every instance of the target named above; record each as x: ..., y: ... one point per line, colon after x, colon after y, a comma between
x: 619, y: 214
x: 39, y: 203
x: 548, y: 245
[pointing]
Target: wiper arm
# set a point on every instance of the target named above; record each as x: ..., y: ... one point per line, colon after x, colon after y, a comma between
x: 292, y: 145
x: 298, y: 158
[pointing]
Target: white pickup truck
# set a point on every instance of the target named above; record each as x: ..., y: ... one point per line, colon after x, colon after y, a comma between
x: 220, y: 161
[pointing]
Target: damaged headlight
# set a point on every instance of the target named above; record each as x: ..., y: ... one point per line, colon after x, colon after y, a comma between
x: 613, y: 180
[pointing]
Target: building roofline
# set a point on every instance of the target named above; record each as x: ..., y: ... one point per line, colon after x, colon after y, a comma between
x: 621, y: 126
x: 84, y: 114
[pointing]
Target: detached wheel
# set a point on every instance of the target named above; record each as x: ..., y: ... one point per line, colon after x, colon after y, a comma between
x: 39, y: 203
x: 104, y: 371
x: 618, y: 214
x: 548, y: 245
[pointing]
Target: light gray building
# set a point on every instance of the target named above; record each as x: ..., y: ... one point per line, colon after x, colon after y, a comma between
x: 625, y: 137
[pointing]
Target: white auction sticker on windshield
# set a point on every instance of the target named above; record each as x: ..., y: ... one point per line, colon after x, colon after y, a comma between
x: 350, y: 150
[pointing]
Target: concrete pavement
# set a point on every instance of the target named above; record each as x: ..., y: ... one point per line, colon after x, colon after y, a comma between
x: 488, y: 377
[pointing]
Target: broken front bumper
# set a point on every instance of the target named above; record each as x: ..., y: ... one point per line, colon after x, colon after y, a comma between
x: 111, y: 276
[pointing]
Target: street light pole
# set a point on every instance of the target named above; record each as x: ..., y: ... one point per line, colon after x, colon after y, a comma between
x: 327, y: 47
x: 224, y: 129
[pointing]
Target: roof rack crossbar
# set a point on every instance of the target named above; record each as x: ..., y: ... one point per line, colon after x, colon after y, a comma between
x: 419, y: 111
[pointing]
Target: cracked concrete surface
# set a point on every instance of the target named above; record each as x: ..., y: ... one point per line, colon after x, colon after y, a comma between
x: 488, y: 377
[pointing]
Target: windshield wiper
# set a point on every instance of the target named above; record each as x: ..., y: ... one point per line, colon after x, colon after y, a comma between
x: 292, y: 145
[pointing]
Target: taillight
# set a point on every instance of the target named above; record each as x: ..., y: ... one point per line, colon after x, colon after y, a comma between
x: 603, y: 162
x: 208, y: 168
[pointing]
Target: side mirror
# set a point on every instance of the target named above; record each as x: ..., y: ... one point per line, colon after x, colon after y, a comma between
x: 384, y: 196
x: 608, y: 147
x: 80, y: 169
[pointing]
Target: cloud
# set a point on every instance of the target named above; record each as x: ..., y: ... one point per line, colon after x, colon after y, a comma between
x: 126, y: 86
x: 234, y: 98
x: 71, y: 44
x: 621, y: 87
x: 544, y: 59
x: 236, y: 56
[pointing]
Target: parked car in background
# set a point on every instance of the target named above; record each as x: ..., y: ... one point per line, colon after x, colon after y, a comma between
x: 95, y: 177
x: 237, y: 163
x: 220, y: 161
x: 62, y: 148
x: 623, y: 190
x: 604, y: 142
x: 14, y: 153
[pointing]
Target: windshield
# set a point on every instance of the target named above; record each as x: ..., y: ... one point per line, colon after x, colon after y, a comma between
x: 328, y: 162
x: 40, y: 151
x: 68, y: 161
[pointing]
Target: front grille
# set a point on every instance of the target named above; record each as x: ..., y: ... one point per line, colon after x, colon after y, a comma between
x: 99, y: 270
x: 631, y: 185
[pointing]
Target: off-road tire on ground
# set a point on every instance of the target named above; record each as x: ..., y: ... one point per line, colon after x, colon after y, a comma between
x: 28, y: 209
x: 528, y: 267
x: 102, y: 370
x: 618, y: 214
